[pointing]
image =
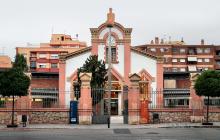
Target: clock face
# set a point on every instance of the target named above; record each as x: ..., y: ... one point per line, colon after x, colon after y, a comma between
x: 111, y: 41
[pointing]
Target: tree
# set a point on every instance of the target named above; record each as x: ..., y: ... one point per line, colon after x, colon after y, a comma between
x: 20, y: 63
x: 98, y: 70
x: 15, y: 82
x: 208, y: 84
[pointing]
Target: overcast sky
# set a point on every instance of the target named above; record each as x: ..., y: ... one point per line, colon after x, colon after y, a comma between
x: 23, y: 21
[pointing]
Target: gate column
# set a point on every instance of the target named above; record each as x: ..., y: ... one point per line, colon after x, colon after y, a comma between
x: 85, y: 100
x: 134, y: 99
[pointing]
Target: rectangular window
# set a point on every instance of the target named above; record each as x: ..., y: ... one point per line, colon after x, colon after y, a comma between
x: 192, y: 59
x: 207, y: 50
x: 166, y: 69
x: 174, y: 60
x: 207, y: 60
x: 42, y: 65
x: 182, y: 50
x: 191, y: 68
x: 153, y: 49
x: 199, y: 50
x: 199, y: 60
x: 113, y: 54
x: 33, y: 64
x: 182, y: 60
x: 213, y: 101
x: 54, y: 56
x: 200, y: 69
x: 176, y: 102
x: 174, y: 50
x: 182, y: 69
x: 161, y: 49
x: 166, y: 59
x: 42, y: 55
x: 192, y: 51
x: 54, y: 65
x: 175, y: 69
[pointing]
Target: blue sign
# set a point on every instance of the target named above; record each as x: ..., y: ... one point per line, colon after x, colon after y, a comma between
x: 74, y: 112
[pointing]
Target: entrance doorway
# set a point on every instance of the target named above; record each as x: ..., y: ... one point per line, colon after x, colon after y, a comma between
x: 114, y: 102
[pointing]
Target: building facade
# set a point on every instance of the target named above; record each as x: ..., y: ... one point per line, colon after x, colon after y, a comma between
x: 126, y: 60
x: 165, y: 71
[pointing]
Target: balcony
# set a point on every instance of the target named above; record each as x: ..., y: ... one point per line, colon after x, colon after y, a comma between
x: 44, y: 93
x: 176, y: 92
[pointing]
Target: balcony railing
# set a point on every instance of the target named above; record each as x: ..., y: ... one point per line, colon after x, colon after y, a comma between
x: 168, y: 92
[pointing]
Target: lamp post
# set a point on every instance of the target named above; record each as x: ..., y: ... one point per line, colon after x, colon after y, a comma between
x: 110, y: 23
x: 109, y: 76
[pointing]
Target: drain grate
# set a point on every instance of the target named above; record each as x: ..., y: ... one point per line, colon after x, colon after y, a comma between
x: 122, y: 131
x: 152, y: 133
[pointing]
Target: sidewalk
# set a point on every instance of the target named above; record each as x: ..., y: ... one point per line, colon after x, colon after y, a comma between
x: 116, y: 126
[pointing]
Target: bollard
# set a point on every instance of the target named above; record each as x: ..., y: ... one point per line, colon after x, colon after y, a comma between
x: 108, y: 120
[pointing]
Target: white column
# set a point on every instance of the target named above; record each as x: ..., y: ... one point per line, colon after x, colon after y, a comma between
x: 120, y: 103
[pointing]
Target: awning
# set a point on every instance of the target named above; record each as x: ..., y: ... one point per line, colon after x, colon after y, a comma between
x: 192, y: 59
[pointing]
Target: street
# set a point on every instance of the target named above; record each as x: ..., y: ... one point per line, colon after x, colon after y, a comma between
x: 111, y: 134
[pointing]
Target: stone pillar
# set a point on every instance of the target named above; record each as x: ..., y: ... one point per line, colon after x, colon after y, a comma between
x: 134, y: 99
x: 144, y: 101
x: 195, y: 101
x: 62, y: 82
x: 159, y: 81
x: 85, y: 100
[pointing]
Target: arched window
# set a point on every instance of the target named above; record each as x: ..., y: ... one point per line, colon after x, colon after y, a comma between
x: 112, y: 42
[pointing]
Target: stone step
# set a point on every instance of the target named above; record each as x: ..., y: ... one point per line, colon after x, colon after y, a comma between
x: 117, y: 119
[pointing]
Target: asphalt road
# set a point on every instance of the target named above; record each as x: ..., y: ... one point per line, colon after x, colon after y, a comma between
x: 111, y: 134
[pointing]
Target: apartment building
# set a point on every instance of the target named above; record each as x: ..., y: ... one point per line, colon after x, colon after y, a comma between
x: 43, y: 63
x: 180, y: 60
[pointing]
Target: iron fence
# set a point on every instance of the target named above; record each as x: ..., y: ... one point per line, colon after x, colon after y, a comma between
x: 168, y: 98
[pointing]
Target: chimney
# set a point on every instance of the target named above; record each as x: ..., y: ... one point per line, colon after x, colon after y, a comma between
x: 152, y: 42
x: 156, y: 40
x: 182, y: 40
x: 202, y: 42
x: 161, y: 41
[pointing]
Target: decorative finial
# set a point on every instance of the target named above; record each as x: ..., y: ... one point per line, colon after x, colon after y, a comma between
x: 110, y: 18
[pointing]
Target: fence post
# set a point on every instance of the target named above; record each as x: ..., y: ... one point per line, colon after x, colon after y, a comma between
x: 85, y: 101
x: 134, y: 100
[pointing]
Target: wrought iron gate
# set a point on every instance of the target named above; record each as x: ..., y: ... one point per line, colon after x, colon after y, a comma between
x: 99, y: 106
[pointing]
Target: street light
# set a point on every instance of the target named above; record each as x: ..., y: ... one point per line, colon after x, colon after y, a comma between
x: 109, y: 76
x: 110, y: 23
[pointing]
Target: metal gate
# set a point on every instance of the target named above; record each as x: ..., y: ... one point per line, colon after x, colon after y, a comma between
x: 125, y: 107
x: 99, y: 106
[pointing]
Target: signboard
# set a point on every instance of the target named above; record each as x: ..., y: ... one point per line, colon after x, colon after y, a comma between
x: 73, y: 112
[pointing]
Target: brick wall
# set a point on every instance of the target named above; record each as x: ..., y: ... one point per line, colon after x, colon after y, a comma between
x: 171, y: 116
x: 36, y: 116
x: 45, y: 83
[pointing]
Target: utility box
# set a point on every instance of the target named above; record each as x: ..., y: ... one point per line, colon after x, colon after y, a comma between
x: 74, y: 112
